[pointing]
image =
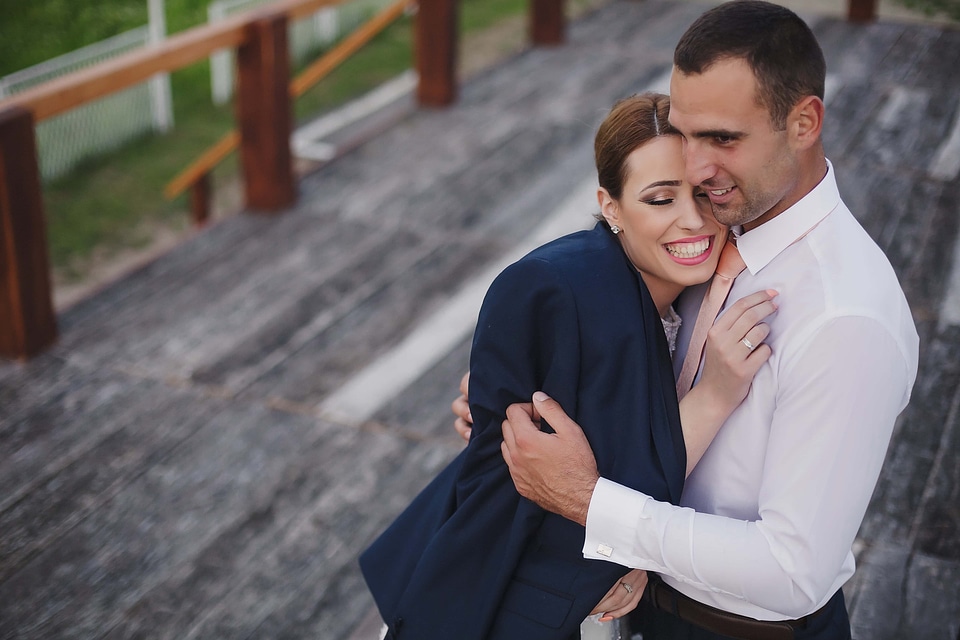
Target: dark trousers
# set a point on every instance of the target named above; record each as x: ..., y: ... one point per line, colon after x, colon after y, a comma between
x: 831, y: 624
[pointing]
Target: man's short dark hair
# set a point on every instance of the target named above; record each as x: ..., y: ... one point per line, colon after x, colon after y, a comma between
x: 780, y: 48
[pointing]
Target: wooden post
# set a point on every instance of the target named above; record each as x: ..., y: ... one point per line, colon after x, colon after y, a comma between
x: 861, y: 10
x: 547, y: 22
x: 200, y: 200
x: 265, y: 116
x: 436, y: 52
x: 27, y: 320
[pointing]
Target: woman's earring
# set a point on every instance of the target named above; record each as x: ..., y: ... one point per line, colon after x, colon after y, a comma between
x: 615, y: 229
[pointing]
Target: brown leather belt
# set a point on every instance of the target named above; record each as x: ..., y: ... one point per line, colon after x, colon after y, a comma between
x: 666, y: 598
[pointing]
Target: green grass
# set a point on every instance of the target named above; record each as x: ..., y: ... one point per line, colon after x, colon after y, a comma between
x: 111, y: 203
x: 948, y: 8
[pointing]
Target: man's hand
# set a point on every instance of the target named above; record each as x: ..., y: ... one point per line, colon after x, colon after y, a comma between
x: 623, y: 597
x: 461, y: 408
x: 556, y: 470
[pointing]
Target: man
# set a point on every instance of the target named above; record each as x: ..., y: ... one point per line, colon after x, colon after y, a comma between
x: 762, y: 542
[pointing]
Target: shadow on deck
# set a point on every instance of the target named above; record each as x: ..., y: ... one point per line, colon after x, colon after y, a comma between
x: 219, y: 434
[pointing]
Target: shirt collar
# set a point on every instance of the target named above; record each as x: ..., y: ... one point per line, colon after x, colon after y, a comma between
x: 761, y: 245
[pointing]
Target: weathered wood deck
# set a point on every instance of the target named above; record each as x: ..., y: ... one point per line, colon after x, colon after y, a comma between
x: 215, y: 437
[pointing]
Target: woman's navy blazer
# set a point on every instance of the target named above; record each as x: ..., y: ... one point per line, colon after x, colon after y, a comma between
x: 470, y: 558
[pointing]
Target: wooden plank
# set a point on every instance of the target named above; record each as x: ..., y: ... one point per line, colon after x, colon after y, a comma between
x: 436, y: 52
x: 320, y: 546
x: 265, y: 115
x: 937, y: 63
x: 159, y: 326
x: 915, y: 446
x: 27, y: 321
x: 162, y: 276
x: 68, y: 489
x: 937, y: 521
x: 930, y: 607
x: 877, y: 605
x: 547, y: 22
x: 213, y: 483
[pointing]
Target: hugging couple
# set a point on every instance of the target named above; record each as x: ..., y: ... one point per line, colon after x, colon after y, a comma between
x: 679, y: 416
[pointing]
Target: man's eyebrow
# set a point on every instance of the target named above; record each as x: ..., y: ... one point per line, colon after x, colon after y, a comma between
x: 718, y: 133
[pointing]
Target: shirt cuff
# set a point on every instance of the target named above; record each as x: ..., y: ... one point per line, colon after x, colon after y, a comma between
x: 614, y: 514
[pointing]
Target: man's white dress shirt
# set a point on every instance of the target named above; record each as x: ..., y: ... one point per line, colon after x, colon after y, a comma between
x: 769, y: 515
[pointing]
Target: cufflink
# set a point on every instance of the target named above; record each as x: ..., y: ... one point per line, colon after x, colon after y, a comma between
x: 604, y: 550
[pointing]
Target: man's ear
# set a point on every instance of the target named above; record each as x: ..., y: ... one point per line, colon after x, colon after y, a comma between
x: 805, y: 122
x: 609, y: 208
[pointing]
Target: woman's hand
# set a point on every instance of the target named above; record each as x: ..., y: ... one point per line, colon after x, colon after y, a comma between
x: 461, y: 408
x: 734, y: 352
x: 623, y: 597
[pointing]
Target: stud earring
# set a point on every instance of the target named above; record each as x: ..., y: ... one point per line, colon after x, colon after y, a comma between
x: 615, y: 229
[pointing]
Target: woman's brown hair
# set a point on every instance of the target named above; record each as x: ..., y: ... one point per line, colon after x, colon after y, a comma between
x: 631, y: 122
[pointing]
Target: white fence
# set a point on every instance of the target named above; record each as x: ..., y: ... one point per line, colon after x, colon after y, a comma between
x: 307, y: 36
x: 65, y: 140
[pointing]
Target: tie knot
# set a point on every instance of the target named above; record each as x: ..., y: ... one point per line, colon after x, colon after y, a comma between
x: 731, y: 263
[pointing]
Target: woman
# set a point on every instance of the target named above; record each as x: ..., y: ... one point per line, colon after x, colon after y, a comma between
x: 581, y: 318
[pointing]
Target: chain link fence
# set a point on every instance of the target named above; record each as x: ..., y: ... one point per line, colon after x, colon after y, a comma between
x: 307, y: 36
x: 66, y: 140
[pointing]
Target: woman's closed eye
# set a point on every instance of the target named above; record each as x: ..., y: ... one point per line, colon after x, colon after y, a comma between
x: 659, y: 202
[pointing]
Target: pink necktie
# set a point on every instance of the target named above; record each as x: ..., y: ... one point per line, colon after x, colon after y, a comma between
x: 729, y: 267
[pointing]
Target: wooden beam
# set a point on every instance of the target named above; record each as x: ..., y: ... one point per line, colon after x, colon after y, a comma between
x: 861, y: 10
x: 203, y: 165
x: 200, y: 197
x: 547, y: 22
x: 27, y: 320
x: 265, y: 114
x: 300, y: 85
x: 347, y: 47
x: 73, y: 90
x: 177, y: 51
x: 436, y: 52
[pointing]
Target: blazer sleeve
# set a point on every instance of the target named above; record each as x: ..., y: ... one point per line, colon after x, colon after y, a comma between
x: 526, y: 339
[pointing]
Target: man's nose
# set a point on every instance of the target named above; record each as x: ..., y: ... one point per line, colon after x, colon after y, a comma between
x: 699, y: 167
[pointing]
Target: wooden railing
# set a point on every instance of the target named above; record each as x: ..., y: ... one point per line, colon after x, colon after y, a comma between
x: 263, y: 114
x: 264, y: 119
x: 196, y: 176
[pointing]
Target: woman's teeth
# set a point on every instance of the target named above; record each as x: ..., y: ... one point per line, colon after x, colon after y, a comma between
x: 688, y: 249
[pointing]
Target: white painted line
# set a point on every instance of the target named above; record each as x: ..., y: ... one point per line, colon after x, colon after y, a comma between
x: 370, y: 389
x: 889, y: 117
x: 946, y: 164
x: 831, y: 85
x: 316, y: 150
x: 950, y: 308
x: 359, y: 108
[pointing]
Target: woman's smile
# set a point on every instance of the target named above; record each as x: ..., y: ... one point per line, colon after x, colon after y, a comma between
x: 690, y: 251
